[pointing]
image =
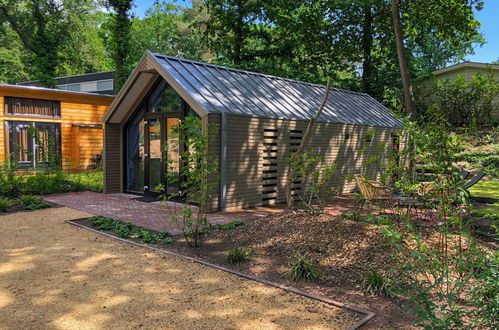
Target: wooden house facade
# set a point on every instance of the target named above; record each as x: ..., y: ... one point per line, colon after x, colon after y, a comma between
x: 40, y: 126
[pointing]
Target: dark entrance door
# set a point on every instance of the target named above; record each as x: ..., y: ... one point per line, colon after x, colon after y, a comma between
x: 162, y: 153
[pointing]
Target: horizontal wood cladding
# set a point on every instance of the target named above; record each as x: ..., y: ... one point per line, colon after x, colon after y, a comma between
x: 76, y: 109
x: 112, y: 158
x: 258, y: 150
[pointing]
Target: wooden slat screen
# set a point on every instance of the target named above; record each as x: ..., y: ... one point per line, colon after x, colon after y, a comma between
x: 32, y: 107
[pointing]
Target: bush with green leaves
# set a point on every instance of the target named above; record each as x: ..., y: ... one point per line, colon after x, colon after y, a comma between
x: 434, y: 251
x: 123, y: 230
x: 145, y: 235
x: 229, y: 225
x: 30, y: 202
x: 103, y: 223
x: 376, y: 284
x: 5, y: 203
x: 196, y: 181
x: 237, y: 255
x: 303, y: 268
x: 314, y: 179
x: 466, y: 102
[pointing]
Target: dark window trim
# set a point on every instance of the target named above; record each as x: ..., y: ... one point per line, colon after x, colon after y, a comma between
x: 31, y: 164
x: 8, y: 102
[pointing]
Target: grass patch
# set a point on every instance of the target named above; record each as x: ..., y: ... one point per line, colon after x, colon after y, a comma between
x: 485, y: 189
x: 92, y: 181
x: 304, y: 269
x: 375, y: 284
x: 237, y: 255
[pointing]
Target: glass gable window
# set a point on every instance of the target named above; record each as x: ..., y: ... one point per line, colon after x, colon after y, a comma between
x: 164, y: 99
x: 32, y: 107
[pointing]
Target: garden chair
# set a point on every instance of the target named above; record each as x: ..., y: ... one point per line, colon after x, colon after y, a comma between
x: 372, y: 191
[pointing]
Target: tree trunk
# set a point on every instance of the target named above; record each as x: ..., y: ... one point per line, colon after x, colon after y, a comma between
x: 304, y: 141
x: 367, y: 42
x: 409, y: 102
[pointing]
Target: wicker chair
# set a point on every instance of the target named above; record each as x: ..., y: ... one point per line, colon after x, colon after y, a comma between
x: 373, y: 191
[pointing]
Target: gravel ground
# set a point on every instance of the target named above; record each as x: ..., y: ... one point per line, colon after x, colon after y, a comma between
x: 54, y: 275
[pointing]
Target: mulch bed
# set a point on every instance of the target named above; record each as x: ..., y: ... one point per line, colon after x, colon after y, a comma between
x: 345, y: 251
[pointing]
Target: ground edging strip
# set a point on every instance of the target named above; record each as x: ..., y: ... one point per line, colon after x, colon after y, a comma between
x: 368, y: 315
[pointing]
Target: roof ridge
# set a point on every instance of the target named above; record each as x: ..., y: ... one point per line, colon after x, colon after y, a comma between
x: 253, y: 73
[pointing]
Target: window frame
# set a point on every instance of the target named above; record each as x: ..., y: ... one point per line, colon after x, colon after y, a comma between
x: 11, y: 139
x: 8, y: 107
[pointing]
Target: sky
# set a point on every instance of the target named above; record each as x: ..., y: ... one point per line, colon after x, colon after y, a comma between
x: 489, y: 17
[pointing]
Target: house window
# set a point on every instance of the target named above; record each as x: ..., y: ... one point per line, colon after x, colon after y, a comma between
x: 74, y: 87
x: 104, y: 85
x: 33, y: 144
x: 32, y: 107
x: 164, y: 99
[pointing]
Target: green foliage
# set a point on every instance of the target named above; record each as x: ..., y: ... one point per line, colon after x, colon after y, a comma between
x: 466, y: 102
x: 304, y: 269
x: 199, y: 170
x: 102, y: 223
x: 123, y: 230
x: 437, y: 258
x: 120, y: 27
x: 230, y: 225
x: 376, y: 284
x: 314, y: 178
x: 5, y: 203
x: 126, y: 230
x: 30, y: 202
x: 237, y: 255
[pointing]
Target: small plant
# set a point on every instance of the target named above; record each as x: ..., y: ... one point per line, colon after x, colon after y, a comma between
x: 123, y: 230
x: 304, y: 269
x: 146, y: 236
x: 168, y: 240
x: 5, y: 204
x: 163, y: 234
x: 30, y: 202
x: 237, y: 255
x: 230, y: 225
x: 102, y: 223
x: 375, y: 284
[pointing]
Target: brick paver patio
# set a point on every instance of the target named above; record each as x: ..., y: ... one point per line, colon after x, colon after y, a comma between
x: 149, y: 215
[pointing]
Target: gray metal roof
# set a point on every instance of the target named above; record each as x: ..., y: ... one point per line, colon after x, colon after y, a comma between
x: 221, y: 89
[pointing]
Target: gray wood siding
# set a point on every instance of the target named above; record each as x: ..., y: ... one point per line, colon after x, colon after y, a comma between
x: 112, y: 158
x: 214, y: 122
x: 248, y: 138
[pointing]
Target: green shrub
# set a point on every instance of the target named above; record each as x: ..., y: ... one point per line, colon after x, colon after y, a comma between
x: 304, y: 269
x: 375, y: 284
x: 163, y: 234
x: 123, y: 230
x: 145, y: 235
x: 102, y: 223
x: 30, y: 202
x: 5, y: 203
x: 230, y: 225
x: 168, y: 240
x: 237, y: 255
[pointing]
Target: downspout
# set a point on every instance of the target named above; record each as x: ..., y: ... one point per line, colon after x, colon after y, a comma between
x: 223, y: 163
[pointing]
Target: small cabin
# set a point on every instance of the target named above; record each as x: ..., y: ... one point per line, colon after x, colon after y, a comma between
x: 40, y: 126
x: 259, y: 119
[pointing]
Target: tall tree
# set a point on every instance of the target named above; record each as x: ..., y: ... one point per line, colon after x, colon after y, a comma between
x: 41, y: 28
x: 120, y: 39
x: 409, y: 101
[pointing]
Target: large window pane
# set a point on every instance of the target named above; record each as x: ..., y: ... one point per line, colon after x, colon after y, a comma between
x: 135, y: 152
x: 164, y: 99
